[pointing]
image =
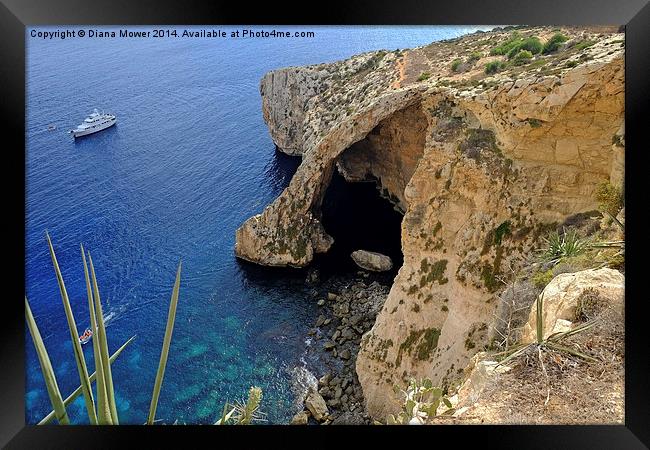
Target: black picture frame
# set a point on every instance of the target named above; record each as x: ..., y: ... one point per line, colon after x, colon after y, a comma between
x: 15, y: 15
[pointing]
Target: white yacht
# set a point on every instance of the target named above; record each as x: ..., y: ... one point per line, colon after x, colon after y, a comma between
x: 94, y: 123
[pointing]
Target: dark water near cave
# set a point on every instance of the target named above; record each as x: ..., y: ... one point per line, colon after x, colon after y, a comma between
x: 357, y: 217
x: 189, y: 160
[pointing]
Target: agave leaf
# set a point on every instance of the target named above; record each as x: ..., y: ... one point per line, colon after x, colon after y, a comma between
x: 74, y: 337
x: 618, y: 222
x: 165, y: 349
x: 46, y: 368
x: 77, y: 392
x: 222, y: 420
x: 608, y: 244
x: 564, y: 334
x: 226, y: 415
x: 562, y: 348
x: 509, y: 351
x: 103, y: 347
x: 540, y: 318
x: 103, y: 408
x: 514, y: 354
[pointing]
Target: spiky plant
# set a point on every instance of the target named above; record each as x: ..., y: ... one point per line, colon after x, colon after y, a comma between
x: 104, y: 411
x: 543, y: 344
x: 165, y: 350
x: 244, y: 413
x: 247, y: 413
x: 77, y: 392
x: 553, y: 341
x: 563, y: 245
x: 46, y: 367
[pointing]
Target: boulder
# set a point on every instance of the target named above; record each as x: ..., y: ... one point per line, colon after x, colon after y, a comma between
x: 348, y: 418
x: 562, y: 294
x: 325, y: 379
x: 316, y: 405
x: 347, y: 333
x: 372, y: 261
x: 300, y: 419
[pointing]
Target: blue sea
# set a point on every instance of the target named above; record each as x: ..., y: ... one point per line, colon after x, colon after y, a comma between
x: 189, y: 160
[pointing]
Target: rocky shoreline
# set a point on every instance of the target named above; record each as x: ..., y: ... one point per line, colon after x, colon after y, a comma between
x: 349, y: 306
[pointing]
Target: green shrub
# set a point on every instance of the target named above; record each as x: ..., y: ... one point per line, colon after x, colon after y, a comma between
x: 532, y: 44
x: 505, y: 47
x: 455, y: 64
x: 424, y: 76
x: 494, y: 67
x: 515, y: 44
x: 610, y: 198
x: 542, y: 278
x: 565, y: 245
x: 475, y: 56
x: 554, y: 43
x: 523, y: 57
x: 584, y: 44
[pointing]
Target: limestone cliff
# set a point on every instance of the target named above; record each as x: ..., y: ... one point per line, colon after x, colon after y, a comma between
x: 480, y: 164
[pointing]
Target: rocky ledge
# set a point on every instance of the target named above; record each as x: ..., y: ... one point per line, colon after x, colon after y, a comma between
x: 482, y: 152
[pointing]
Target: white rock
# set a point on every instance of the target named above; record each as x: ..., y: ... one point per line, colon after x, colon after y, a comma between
x: 561, y: 295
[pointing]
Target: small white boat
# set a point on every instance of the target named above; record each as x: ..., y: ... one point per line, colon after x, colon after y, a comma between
x: 94, y: 123
x: 85, y: 338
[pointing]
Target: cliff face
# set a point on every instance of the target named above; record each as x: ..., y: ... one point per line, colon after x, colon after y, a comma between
x: 480, y: 165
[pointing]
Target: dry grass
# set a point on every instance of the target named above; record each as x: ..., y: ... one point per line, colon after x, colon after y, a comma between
x: 551, y: 387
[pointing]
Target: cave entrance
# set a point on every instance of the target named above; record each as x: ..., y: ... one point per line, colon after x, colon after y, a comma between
x: 358, y: 218
x: 365, y: 212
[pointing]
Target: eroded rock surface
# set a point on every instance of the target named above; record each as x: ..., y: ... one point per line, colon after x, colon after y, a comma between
x: 372, y: 260
x: 561, y: 298
x: 480, y: 165
x: 316, y: 405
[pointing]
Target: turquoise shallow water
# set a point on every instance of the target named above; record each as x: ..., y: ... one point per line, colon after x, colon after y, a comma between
x: 189, y: 160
